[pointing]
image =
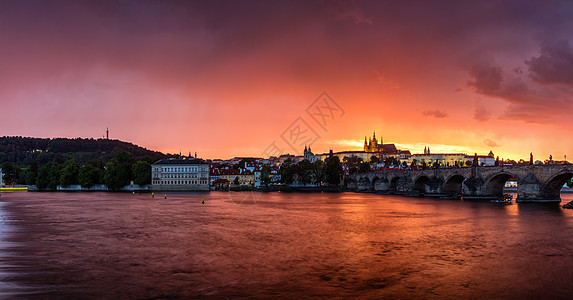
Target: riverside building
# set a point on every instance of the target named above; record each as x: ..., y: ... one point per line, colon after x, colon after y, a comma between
x: 182, y: 174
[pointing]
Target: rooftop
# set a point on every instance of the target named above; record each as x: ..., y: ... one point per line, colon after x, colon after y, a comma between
x: 180, y: 161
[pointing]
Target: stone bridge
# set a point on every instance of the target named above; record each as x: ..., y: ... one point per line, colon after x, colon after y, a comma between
x: 535, y: 183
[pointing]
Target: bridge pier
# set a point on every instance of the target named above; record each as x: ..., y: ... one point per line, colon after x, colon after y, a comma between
x: 363, y: 185
x: 404, y: 186
x: 434, y: 186
x: 475, y: 188
x: 530, y: 189
x: 380, y: 185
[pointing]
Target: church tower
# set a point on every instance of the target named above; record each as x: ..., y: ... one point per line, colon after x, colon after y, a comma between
x: 374, y: 142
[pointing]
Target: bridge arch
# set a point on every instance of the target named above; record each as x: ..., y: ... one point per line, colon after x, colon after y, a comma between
x: 495, y: 183
x: 351, y: 183
x: 420, y: 184
x: 552, y: 188
x: 379, y: 184
x: 453, y: 185
x: 393, y: 184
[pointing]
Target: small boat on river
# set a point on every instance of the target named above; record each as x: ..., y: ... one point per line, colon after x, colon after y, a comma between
x: 504, y: 199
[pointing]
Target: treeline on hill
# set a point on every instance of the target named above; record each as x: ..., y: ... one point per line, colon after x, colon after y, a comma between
x: 48, y: 163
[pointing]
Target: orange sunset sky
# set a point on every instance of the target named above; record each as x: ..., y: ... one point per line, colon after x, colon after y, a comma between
x: 230, y: 78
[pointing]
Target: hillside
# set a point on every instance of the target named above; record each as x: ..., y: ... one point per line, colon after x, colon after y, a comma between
x: 28, y: 150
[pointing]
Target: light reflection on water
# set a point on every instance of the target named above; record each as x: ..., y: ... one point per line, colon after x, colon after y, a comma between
x: 7, y: 288
x: 287, y: 245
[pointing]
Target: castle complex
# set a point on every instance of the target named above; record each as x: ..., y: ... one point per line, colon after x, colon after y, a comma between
x: 372, y: 146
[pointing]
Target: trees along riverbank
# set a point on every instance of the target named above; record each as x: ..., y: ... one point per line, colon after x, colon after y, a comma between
x: 116, y: 173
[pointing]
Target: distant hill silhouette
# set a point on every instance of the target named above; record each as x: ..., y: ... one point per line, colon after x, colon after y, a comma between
x: 28, y: 150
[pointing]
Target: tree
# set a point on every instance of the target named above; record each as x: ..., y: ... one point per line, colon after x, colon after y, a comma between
x: 89, y: 175
x: 69, y: 174
x: 391, y: 161
x: 32, y: 174
x: 353, y: 159
x: 118, y: 171
x: 48, y: 176
x: 414, y: 163
x: 55, y: 171
x: 236, y: 181
x: 304, y: 171
x: 42, y: 180
x: 333, y: 170
x: 364, y: 167
x: 287, y: 172
x: 11, y: 173
x: 374, y: 159
x: 266, y: 175
x: 319, y: 174
x: 142, y: 172
x: 111, y: 176
x: 98, y: 163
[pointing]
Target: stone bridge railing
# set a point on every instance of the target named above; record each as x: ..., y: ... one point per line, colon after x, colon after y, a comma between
x: 535, y: 183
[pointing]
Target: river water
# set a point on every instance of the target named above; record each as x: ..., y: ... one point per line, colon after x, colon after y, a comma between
x: 280, y: 245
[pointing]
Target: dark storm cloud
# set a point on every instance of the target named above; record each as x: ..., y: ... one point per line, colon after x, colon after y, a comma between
x: 385, y: 55
x: 529, y: 101
x: 506, y: 70
x: 492, y: 81
x: 487, y: 79
x: 554, y: 64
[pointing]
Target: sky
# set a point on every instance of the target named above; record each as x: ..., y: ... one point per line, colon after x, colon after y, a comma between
x: 260, y: 78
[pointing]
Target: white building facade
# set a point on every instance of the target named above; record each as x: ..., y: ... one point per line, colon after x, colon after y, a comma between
x: 180, y: 175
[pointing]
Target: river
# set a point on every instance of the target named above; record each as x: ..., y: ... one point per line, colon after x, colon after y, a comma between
x: 280, y: 245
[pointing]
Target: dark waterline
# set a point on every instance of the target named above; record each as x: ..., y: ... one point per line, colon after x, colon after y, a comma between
x: 267, y: 245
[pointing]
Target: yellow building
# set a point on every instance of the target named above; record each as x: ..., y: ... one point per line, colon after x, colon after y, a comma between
x: 246, y: 177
